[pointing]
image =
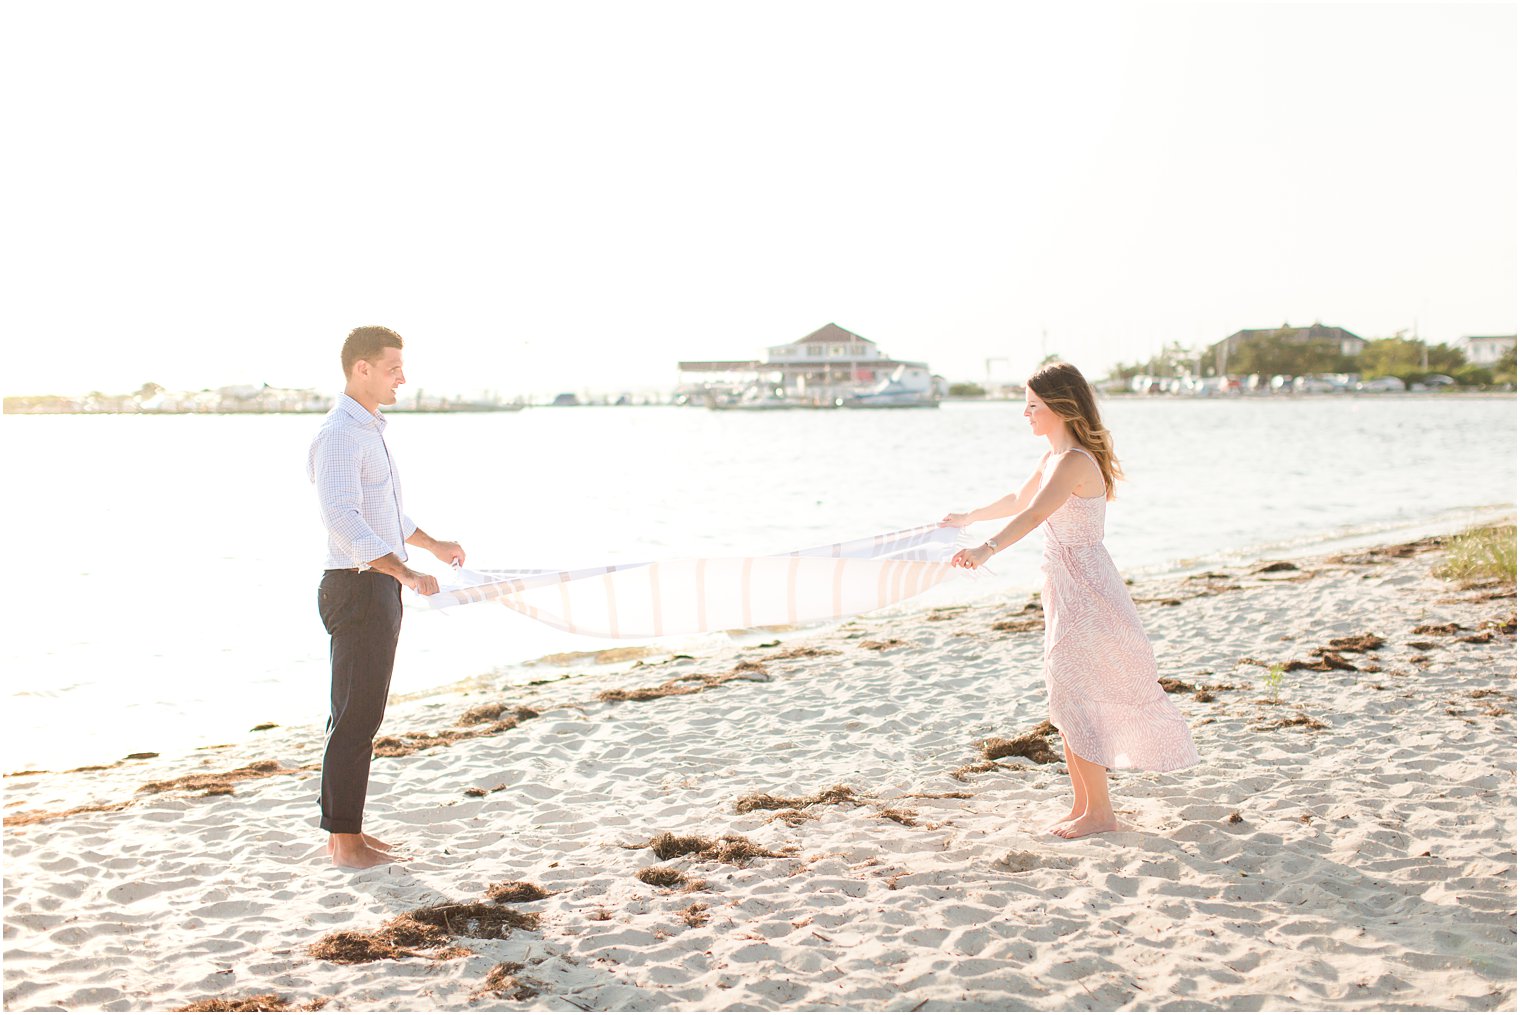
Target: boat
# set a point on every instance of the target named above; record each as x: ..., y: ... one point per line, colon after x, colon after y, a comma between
x: 909, y: 386
x: 757, y: 398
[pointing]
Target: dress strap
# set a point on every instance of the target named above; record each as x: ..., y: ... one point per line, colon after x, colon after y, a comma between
x: 1086, y: 452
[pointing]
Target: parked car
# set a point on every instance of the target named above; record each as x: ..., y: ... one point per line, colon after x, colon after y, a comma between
x: 1381, y: 384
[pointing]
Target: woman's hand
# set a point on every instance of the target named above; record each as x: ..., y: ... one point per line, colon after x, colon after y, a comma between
x: 972, y: 557
x: 956, y: 520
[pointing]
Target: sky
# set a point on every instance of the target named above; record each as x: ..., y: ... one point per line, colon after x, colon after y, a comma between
x: 573, y: 196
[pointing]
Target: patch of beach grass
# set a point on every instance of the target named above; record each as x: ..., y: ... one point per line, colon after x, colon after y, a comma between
x: 1480, y: 555
x: 1273, y: 682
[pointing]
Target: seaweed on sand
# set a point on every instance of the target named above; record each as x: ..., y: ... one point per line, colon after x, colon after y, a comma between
x: 1357, y: 643
x: 799, y: 652
x: 1300, y: 719
x: 960, y: 774
x: 766, y: 802
x: 669, y: 877
x: 516, y: 891
x: 729, y: 849
x: 503, y: 982
x: 494, y: 713
x: 692, y: 683
x: 901, y: 815
x: 1020, y: 625
x: 425, y: 932
x: 662, y: 877
x: 212, y: 780
x: 1034, y: 745
x: 1324, y: 662
x: 252, y: 1002
x: 403, y: 744
x: 37, y: 817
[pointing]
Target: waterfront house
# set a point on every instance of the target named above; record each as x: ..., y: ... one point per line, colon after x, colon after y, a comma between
x: 1486, y: 350
x: 828, y: 366
x: 1339, y: 339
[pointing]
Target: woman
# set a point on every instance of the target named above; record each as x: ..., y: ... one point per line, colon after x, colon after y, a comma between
x: 1100, y: 672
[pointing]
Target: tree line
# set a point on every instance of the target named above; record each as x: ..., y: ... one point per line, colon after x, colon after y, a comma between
x: 1409, y: 359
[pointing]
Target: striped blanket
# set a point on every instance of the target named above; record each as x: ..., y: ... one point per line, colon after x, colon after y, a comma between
x: 694, y: 595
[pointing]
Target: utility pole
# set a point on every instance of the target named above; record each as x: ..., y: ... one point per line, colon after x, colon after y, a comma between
x: 991, y: 360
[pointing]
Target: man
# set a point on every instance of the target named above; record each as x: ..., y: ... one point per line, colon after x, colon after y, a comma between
x: 359, y: 599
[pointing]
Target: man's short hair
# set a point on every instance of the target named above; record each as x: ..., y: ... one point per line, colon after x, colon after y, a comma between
x: 366, y: 343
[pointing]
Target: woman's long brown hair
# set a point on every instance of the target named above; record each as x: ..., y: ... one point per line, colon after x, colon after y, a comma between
x: 1066, y: 393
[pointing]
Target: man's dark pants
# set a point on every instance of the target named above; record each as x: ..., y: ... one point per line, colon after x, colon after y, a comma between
x: 362, y: 612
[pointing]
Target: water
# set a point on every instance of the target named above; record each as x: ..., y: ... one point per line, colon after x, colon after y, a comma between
x: 163, y: 587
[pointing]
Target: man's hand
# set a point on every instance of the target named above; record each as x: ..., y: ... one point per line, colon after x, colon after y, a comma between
x: 422, y: 584
x: 449, y: 553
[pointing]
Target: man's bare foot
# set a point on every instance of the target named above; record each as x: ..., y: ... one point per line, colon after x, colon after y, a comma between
x: 354, y: 852
x: 1087, y: 824
x: 369, y: 840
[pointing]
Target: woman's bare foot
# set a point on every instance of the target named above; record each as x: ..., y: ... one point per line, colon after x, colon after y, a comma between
x: 1072, y: 815
x: 354, y: 851
x: 1087, y: 824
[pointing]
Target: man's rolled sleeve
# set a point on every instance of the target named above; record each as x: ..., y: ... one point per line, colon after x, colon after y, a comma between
x: 336, y: 473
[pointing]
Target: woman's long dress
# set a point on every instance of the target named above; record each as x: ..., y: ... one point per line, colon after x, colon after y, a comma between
x: 1100, y: 672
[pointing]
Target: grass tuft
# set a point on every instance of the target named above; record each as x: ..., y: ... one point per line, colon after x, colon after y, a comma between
x: 1480, y: 555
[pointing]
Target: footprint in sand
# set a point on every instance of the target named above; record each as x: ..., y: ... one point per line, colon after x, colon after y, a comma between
x: 136, y: 891
x: 1021, y: 862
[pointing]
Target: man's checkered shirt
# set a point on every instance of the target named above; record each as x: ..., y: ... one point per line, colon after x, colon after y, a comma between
x: 358, y: 489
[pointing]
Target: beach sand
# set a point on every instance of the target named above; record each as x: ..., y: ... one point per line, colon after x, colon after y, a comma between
x: 1350, y: 845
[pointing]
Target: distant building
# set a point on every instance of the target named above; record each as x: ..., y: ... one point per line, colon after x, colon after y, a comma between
x: 1486, y: 350
x: 1317, y: 333
x: 831, y: 362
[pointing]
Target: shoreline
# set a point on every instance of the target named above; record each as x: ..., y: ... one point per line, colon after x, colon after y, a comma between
x: 509, y: 407
x: 1363, y: 826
